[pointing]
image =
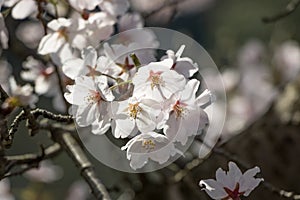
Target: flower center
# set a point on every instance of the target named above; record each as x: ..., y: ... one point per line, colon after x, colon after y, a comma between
x: 47, y: 72
x: 94, y: 97
x: 134, y: 110
x: 148, y: 144
x: 155, y: 78
x: 235, y: 194
x: 93, y: 72
x: 62, y: 32
x: 179, y: 109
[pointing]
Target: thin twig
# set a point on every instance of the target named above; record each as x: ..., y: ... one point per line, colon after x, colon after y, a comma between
x: 36, y: 113
x: 40, y: 15
x: 28, y: 161
x: 290, y: 8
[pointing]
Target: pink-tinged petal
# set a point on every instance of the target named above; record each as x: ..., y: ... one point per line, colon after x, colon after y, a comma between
x: 24, y: 9
x: 213, y: 189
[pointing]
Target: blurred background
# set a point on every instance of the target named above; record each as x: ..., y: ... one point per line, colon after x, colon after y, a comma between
x: 257, y: 61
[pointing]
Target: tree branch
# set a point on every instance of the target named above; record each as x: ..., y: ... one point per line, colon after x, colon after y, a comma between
x: 290, y: 8
x: 73, y: 149
x: 27, y: 161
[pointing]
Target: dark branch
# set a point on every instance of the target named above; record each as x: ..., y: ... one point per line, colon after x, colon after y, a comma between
x: 28, y: 161
x: 71, y: 146
x: 290, y: 8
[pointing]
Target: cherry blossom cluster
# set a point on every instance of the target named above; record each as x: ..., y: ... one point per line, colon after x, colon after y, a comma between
x: 154, y: 104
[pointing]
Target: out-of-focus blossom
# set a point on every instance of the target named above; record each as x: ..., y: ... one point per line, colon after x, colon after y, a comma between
x: 19, y: 96
x: 130, y: 21
x: 44, y: 77
x: 147, y: 146
x: 30, y: 33
x: 3, y: 33
x: 231, y: 78
x: 256, y: 78
x: 81, y: 5
x: 47, y: 172
x: 5, y: 193
x: 79, y: 190
x: 5, y: 72
x: 22, y: 8
x: 232, y: 184
x: 114, y: 7
x: 147, y: 6
x: 287, y: 59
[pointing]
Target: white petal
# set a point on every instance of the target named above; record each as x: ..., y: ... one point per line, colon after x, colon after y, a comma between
x: 24, y: 9
x: 213, y: 189
x: 74, y: 68
x: 248, y: 182
x: 51, y: 43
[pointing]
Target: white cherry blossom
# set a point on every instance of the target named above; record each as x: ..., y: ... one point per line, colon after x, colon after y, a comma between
x: 184, y: 66
x: 58, y: 36
x: 91, y: 100
x: 157, y: 81
x: 44, y: 77
x: 90, y: 65
x: 185, y: 118
x: 147, y: 146
x: 231, y: 184
x: 134, y: 114
x: 23, y: 94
